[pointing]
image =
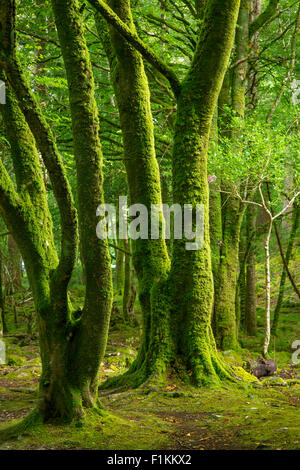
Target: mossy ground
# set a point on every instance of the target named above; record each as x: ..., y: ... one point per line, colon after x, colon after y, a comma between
x: 175, y: 416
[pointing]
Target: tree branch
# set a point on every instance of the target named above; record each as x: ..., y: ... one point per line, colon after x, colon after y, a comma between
x: 286, y: 266
x: 13, y: 210
x: 140, y: 46
x: 265, y: 16
x: 44, y: 138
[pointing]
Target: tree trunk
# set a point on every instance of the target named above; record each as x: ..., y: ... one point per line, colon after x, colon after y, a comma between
x: 240, y: 299
x: 241, y: 52
x: 250, y: 308
x: 215, y: 232
x: 268, y: 289
x: 14, y: 264
x: 252, y: 86
x: 226, y: 319
x: 215, y: 210
x: 191, y: 272
x: 127, y: 284
x: 292, y: 236
x: 91, y: 337
x: 120, y: 268
x: 225, y: 307
x: 24, y: 220
x: 71, y: 348
x: 3, y: 326
x: 179, y: 331
x: 150, y: 257
x: 62, y: 396
x: 37, y: 249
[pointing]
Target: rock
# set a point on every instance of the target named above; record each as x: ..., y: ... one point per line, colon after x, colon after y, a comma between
x: 264, y: 368
x: 249, y: 366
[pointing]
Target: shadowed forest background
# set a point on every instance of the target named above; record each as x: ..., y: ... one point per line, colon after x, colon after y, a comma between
x: 141, y: 344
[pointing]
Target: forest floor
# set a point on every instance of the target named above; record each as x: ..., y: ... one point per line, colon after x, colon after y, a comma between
x: 259, y: 416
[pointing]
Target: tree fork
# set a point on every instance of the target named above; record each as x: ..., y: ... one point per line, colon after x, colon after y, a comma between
x: 90, y: 340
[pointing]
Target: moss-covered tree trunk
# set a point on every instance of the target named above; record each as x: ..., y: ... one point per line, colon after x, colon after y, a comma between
x: 250, y: 306
x: 71, y: 348
x: 179, y: 333
x: 127, y: 284
x: 252, y: 86
x: 267, y: 289
x: 215, y: 209
x: 3, y: 326
x: 180, y: 327
x: 150, y: 257
x: 240, y: 297
x: 225, y: 315
x: 191, y: 272
x: 90, y: 343
x: 225, y: 305
x: 233, y: 94
x: 24, y: 212
x: 215, y: 231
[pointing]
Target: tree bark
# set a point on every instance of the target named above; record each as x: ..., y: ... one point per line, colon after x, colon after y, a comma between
x: 14, y: 264
x: 127, y: 284
x: 180, y: 328
x: 3, y: 326
x: 150, y: 257
x: 250, y: 308
x: 226, y: 317
x: 233, y: 94
x: 71, y: 348
x: 268, y: 290
x: 90, y: 343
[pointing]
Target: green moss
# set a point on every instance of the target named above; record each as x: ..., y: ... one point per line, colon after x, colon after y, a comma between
x: 232, y: 357
x: 291, y: 382
x: 13, y: 360
x: 274, y: 381
x: 222, y: 415
x: 223, y: 418
x: 244, y: 376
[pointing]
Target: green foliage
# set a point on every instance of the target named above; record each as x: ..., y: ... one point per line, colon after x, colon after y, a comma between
x: 259, y: 153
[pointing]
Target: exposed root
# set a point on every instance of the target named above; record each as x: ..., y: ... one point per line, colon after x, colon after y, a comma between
x: 17, y: 429
x: 35, y: 419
